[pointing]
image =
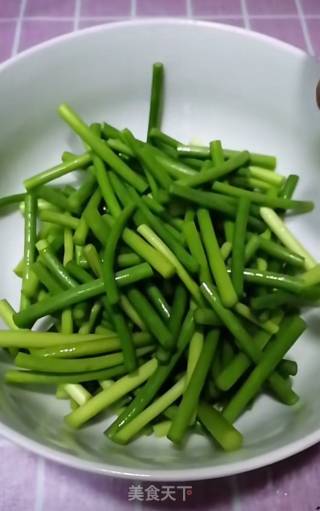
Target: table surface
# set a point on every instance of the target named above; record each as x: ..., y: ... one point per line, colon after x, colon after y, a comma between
x: 28, y: 482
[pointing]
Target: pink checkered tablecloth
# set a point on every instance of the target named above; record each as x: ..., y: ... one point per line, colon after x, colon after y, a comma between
x: 28, y: 482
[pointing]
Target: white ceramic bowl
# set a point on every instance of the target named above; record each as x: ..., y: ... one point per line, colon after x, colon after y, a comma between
x: 221, y: 82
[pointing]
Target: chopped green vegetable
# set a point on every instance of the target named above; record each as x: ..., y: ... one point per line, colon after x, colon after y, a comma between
x: 153, y: 266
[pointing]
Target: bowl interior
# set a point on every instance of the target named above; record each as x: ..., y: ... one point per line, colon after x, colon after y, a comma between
x: 248, y: 90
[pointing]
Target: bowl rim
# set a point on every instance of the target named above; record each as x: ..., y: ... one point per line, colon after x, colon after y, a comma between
x: 161, y: 475
x: 188, y: 474
x: 114, y: 25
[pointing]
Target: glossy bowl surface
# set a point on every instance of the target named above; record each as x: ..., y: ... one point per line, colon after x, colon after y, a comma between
x: 221, y: 82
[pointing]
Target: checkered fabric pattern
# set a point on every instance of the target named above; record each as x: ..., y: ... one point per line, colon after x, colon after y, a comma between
x: 28, y: 482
